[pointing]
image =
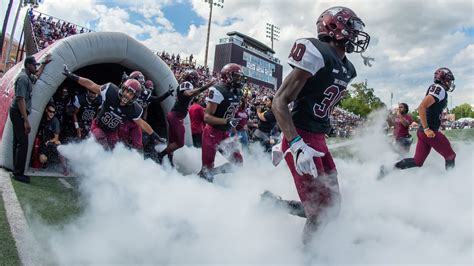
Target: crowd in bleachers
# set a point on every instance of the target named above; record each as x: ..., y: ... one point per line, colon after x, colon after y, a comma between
x: 459, y: 124
x: 344, y: 122
x: 47, y: 29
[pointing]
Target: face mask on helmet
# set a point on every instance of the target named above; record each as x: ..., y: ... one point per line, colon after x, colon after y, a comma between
x: 237, y: 80
x: 91, y: 96
x: 445, y: 77
x: 192, y: 77
x: 129, y: 91
x: 358, y: 40
x: 149, y: 84
x: 340, y: 24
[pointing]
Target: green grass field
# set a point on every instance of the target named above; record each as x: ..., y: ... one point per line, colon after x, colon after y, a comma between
x: 8, y: 253
x: 460, y: 134
x: 48, y: 199
x: 55, y: 205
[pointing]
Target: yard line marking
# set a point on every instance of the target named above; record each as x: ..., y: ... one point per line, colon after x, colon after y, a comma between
x: 65, y: 183
x: 26, y: 244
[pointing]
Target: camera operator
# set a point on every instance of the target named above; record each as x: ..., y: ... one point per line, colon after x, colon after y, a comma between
x: 266, y: 123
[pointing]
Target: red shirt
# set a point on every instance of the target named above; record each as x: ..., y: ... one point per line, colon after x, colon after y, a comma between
x: 401, y: 131
x: 196, y: 115
x: 244, y: 117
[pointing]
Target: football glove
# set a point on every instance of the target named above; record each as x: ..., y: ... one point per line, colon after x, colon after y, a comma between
x: 156, y: 139
x: 303, y: 158
x: 69, y: 74
x: 232, y: 122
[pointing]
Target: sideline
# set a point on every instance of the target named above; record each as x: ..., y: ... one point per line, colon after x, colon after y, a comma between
x: 24, y: 240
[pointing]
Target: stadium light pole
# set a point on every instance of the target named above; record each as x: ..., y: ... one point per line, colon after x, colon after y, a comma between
x: 273, y: 32
x: 5, y: 23
x: 12, y: 36
x: 218, y: 3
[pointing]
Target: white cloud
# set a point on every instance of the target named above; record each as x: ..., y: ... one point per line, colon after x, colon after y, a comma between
x: 409, y: 39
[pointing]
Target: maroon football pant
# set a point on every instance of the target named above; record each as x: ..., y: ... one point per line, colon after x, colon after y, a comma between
x: 439, y: 143
x: 105, y: 138
x: 176, y: 128
x: 211, y: 138
x: 316, y: 194
x: 131, y: 134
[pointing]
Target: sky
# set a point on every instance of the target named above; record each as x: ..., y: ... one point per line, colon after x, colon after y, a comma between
x: 409, y: 39
x: 138, y: 212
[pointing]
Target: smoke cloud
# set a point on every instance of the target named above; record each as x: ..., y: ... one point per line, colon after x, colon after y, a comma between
x: 139, y: 212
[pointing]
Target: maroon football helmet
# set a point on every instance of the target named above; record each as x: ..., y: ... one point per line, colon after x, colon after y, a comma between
x: 343, y: 26
x: 138, y: 76
x: 191, y: 76
x: 233, y: 76
x: 445, y: 77
x: 149, y: 84
x: 130, y: 85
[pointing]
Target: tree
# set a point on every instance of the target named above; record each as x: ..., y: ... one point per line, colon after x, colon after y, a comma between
x: 415, y: 115
x: 463, y: 110
x: 361, y: 100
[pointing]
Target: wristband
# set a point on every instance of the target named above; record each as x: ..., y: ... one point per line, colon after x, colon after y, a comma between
x: 295, y: 139
x: 154, y: 135
x: 76, y: 125
x: 426, y: 129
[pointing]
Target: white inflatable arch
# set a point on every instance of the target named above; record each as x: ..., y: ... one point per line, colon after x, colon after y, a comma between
x: 80, y: 51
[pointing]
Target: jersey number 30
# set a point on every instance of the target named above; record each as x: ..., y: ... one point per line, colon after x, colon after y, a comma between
x: 331, y: 96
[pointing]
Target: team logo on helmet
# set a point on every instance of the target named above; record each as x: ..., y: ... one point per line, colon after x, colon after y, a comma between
x: 445, y: 77
x: 343, y: 26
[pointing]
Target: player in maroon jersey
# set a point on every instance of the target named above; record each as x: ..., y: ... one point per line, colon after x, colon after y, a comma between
x: 321, y: 73
x: 119, y: 104
x: 430, y: 110
x: 187, y: 90
x: 222, y: 104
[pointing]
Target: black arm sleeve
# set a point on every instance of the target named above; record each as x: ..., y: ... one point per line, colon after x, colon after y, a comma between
x: 159, y: 99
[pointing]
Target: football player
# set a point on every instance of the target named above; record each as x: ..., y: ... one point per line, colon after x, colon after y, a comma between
x: 430, y: 109
x: 85, y: 109
x: 129, y: 132
x: 321, y: 73
x: 187, y: 90
x: 222, y: 104
x: 119, y: 104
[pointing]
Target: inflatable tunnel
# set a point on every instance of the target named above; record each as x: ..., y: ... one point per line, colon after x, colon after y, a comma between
x: 101, y: 57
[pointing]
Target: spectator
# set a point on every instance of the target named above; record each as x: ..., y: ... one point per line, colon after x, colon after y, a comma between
x: 19, y: 111
x: 266, y: 123
x: 402, y: 123
x: 242, y: 129
x: 48, y: 132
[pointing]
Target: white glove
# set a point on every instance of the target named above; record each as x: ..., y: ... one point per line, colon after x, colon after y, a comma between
x: 303, y: 158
